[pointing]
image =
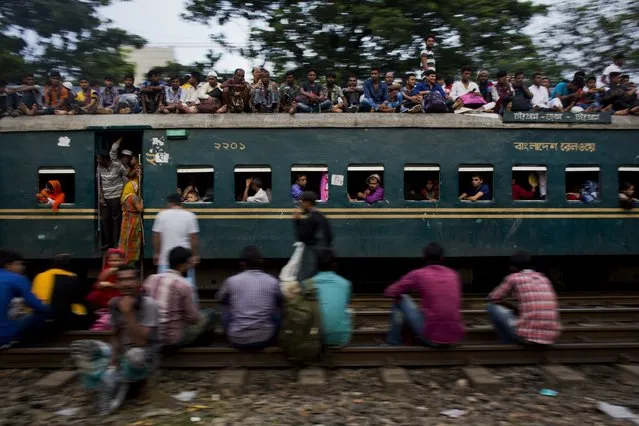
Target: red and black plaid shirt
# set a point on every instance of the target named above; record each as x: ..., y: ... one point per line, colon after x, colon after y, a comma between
x: 538, y: 320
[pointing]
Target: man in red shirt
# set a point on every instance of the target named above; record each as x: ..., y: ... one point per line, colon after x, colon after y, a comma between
x: 538, y: 321
x: 439, y: 322
x: 520, y: 193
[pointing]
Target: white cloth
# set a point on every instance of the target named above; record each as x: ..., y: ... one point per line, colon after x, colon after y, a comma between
x: 206, y: 88
x: 260, y: 197
x: 189, y: 95
x: 459, y: 89
x: 540, y: 96
x: 175, y: 225
x: 606, y: 72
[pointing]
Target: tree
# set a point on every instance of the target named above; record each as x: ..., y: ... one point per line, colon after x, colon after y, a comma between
x: 70, y: 36
x: 601, y: 30
x: 175, y: 68
x: 350, y: 36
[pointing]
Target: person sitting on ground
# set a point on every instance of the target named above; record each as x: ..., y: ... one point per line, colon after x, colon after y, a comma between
x: 313, y: 96
x: 541, y: 97
x: 520, y: 193
x: 180, y: 322
x: 108, y: 97
x: 627, y: 198
x: 373, y: 193
x: 521, y: 100
x: 51, y: 195
x: 62, y: 291
x: 260, y: 196
x: 175, y: 98
x: 439, y: 322
x: 54, y: 93
x: 289, y: 91
x: 352, y: 94
x: 412, y: 102
x: 565, y: 95
x: 502, y: 92
x: 375, y: 93
x: 266, y: 95
x: 13, y: 285
x: 478, y: 191
x: 236, y: 93
x: 485, y: 86
x: 433, y: 94
x: 252, y: 303
x: 537, y: 319
x: 297, y: 189
x: 210, y: 94
x: 8, y: 101
x: 460, y: 88
x: 334, y: 295
x: 152, y: 92
x: 335, y: 94
x: 29, y: 96
x: 128, y: 101
x: 85, y: 101
x: 133, y: 353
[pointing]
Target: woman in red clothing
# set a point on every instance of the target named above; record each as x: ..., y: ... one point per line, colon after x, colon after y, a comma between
x: 105, y: 288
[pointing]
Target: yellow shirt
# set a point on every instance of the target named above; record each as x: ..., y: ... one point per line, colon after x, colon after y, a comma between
x: 81, y: 96
x: 43, y: 288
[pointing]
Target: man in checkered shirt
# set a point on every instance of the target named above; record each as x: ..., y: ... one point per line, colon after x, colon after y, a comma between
x: 538, y: 321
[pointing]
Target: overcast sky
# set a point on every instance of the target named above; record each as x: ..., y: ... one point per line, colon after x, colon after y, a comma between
x: 191, y: 41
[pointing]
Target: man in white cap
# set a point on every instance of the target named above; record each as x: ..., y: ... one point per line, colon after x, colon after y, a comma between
x: 126, y: 157
x: 210, y: 94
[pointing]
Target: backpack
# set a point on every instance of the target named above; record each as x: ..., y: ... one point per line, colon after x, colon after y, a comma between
x: 434, y: 102
x: 300, y: 334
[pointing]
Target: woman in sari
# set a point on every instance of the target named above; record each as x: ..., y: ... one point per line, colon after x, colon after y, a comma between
x: 131, y: 230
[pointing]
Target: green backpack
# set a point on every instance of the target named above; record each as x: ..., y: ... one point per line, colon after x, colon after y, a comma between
x: 300, y: 334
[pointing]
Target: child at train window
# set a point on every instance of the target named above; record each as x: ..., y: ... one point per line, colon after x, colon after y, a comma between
x: 51, y: 195
x: 192, y: 197
x: 373, y: 193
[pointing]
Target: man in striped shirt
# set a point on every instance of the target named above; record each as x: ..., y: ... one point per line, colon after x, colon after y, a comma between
x: 252, y: 300
x: 428, y: 55
x: 538, y: 321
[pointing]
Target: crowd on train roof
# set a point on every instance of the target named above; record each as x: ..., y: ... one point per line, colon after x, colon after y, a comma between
x: 611, y: 92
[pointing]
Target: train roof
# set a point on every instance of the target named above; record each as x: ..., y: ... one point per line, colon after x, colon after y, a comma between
x: 266, y: 121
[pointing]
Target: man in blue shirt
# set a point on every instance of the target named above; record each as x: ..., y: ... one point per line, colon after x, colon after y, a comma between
x: 565, y: 95
x: 334, y: 294
x: 298, y: 187
x: 375, y: 93
x: 14, y: 285
x: 478, y: 191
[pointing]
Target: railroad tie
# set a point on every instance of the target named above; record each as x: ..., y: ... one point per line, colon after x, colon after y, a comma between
x: 560, y: 375
x: 482, y: 379
x: 311, y: 376
x: 395, y: 376
x: 630, y: 373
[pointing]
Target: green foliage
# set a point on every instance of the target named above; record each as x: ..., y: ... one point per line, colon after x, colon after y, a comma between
x: 175, y: 68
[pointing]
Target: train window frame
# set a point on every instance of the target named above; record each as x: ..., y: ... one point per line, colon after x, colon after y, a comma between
x: 296, y: 169
x: 584, y: 168
x: 58, y: 170
x: 476, y: 168
x: 197, y: 169
x: 531, y: 168
x: 250, y: 169
x: 423, y: 167
x: 361, y: 169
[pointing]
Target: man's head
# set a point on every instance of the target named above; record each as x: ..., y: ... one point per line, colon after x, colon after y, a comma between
x: 389, y: 78
x: 619, y: 59
x: 174, y: 200
x: 537, y: 78
x: 625, y: 78
x: 373, y: 181
x: 352, y: 81
x: 326, y: 260
x: 545, y: 81
x: 431, y: 77
x: 28, y: 79
x: 581, y: 74
x: 175, y: 82
x: 251, y: 258
x: 153, y: 76
x: 257, y: 74
x: 256, y: 184
x: 311, y: 75
x: 591, y: 83
x: 128, y: 80
x: 482, y: 76
x: 330, y: 78
x: 615, y: 77
x: 627, y: 188
x: 266, y: 76
x: 179, y: 259
x: 54, y: 78
x: 519, y: 261
x: 466, y: 72
x: 411, y: 79
x: 502, y: 76
x: 104, y: 159
x: 128, y: 280
x: 301, y: 180
x: 290, y: 78
x: 11, y: 261
x: 576, y: 84
x: 476, y: 180
x: 238, y: 75
x: 61, y: 261
x: 307, y: 200
x: 211, y: 77
x: 194, y: 78
x: 84, y: 83
x: 430, y: 41
x: 433, y: 254
x: 519, y: 77
x: 430, y: 184
x: 375, y: 74
x: 108, y: 81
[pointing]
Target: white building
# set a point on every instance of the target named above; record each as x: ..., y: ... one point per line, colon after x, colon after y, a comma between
x: 149, y: 57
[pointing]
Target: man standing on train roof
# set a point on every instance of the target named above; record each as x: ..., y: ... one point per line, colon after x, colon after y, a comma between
x: 176, y: 227
x: 111, y: 177
x: 538, y: 321
x: 313, y: 230
x: 478, y: 191
x: 439, y: 323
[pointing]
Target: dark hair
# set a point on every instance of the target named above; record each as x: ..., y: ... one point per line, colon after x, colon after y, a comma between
x: 310, y: 70
x: 196, y: 75
x: 624, y: 186
x: 580, y: 74
x: 179, y: 256
x: 61, y: 261
x: 519, y: 73
x: 27, y: 74
x: 309, y: 196
x: 174, y: 77
x: 251, y: 257
x: 331, y: 74
x: 534, y: 76
x: 430, y: 36
x: 433, y: 253
x: 238, y: 69
x: 578, y: 81
x: 615, y: 74
x: 175, y: 199
x: 55, y: 74
x: 265, y: 71
x: 104, y: 155
x: 448, y: 80
x: 430, y: 72
x: 289, y: 73
x: 520, y: 260
x: 409, y: 75
x: 128, y: 76
x: 83, y: 78
x: 477, y: 175
x: 352, y: 76
x: 502, y: 73
x: 619, y: 56
x: 298, y: 176
x: 152, y: 73
x: 257, y: 182
x: 376, y: 69
x: 592, y: 77
x: 3, y: 83
x: 466, y: 68
x: 326, y: 259
x: 9, y: 256
x: 108, y: 77
x: 625, y: 76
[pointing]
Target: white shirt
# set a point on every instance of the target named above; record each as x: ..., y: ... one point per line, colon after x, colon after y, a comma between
x: 459, y: 89
x: 175, y: 225
x: 606, y: 72
x: 540, y: 96
x: 202, y: 91
x: 260, y: 197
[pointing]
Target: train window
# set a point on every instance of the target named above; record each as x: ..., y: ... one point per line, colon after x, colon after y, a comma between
x: 310, y: 178
x: 530, y: 183
x: 628, y: 182
x: 61, y: 180
x: 421, y: 182
x: 196, y: 183
x: 582, y: 183
x: 474, y: 180
x: 260, y: 191
x: 363, y: 181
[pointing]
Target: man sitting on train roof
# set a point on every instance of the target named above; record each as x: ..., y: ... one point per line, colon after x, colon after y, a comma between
x: 210, y: 94
x: 620, y: 98
x: 565, y: 95
x: 375, y: 93
x: 352, y: 94
x: 289, y: 91
x: 181, y: 324
x: 236, y: 93
x: 266, y: 95
x: 297, y: 189
x: 538, y: 312
x: 439, y: 322
x: 255, y: 185
x: 252, y: 304
x: 128, y: 100
x: 152, y: 92
x: 373, y: 193
x: 51, y: 195
x: 313, y: 96
x: 54, y: 93
x: 478, y: 190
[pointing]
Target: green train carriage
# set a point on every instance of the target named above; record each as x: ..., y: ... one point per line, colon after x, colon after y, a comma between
x: 218, y: 152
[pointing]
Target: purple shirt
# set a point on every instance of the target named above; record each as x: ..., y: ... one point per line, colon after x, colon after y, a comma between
x: 440, y: 290
x: 375, y: 196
